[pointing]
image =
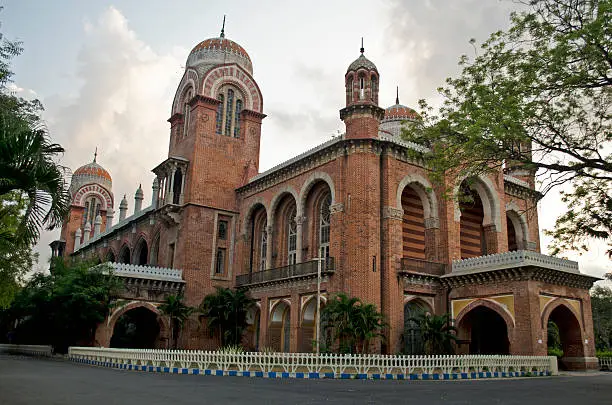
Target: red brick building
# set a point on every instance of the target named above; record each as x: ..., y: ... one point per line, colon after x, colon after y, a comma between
x: 362, y: 201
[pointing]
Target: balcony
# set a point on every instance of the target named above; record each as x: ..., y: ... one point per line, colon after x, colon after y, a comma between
x: 302, y: 270
x: 421, y: 267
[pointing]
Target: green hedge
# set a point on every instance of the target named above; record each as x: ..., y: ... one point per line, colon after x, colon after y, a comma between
x: 600, y: 353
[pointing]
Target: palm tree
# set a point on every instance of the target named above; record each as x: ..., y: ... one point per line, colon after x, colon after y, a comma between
x: 27, y: 165
x: 437, y: 332
x: 177, y: 312
x: 226, y: 314
x: 353, y: 322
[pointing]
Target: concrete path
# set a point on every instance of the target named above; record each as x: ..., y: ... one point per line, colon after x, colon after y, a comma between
x: 26, y: 381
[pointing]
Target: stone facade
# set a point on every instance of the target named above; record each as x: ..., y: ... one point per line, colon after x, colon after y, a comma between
x: 361, y: 199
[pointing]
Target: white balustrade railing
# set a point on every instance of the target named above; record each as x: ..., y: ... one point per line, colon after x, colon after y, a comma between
x: 139, y: 271
x: 605, y: 363
x: 337, y: 364
x: 28, y: 350
x: 513, y: 259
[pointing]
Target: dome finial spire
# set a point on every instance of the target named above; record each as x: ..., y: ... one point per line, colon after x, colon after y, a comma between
x: 397, y: 95
x: 361, y: 50
x: 223, y: 28
x: 95, y: 154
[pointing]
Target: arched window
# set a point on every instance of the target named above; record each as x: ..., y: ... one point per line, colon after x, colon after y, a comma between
x: 263, y: 248
x: 186, y: 112
x: 349, y: 90
x: 361, y: 87
x: 324, y: 224
x: 178, y: 186
x: 92, y: 209
x: 229, y: 112
x: 291, y: 237
x: 237, y: 118
x: 374, y: 88
x: 220, y: 114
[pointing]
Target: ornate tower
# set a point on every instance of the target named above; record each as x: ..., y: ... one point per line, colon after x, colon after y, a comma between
x: 362, y: 114
x: 91, y: 196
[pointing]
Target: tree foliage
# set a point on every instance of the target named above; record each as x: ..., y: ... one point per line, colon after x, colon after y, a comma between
x: 437, y: 332
x: 226, y: 314
x: 601, y: 304
x: 177, y: 312
x: 354, y: 324
x: 61, y: 309
x: 535, y: 98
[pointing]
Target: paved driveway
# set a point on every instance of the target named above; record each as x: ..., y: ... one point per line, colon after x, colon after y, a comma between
x: 34, y: 381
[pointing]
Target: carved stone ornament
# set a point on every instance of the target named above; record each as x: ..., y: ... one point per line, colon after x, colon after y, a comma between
x: 335, y: 208
x: 393, y: 213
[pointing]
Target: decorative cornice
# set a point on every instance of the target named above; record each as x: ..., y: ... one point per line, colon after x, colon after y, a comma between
x: 253, y: 114
x: 520, y: 188
x: 393, y: 213
x: 432, y: 223
x: 418, y: 279
x: 175, y: 117
x: 519, y: 258
x: 372, y: 109
x: 203, y: 99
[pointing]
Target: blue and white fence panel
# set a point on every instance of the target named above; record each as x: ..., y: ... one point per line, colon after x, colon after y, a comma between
x: 309, y: 365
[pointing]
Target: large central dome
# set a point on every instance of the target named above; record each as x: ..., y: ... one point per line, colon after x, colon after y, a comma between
x: 219, y: 51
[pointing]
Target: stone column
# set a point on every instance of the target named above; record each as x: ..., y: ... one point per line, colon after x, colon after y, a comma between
x: 123, y: 207
x: 77, y: 239
x: 155, y: 193
x: 184, y: 176
x: 299, y: 220
x: 87, y: 232
x: 171, y: 188
x: 269, y: 246
x: 97, y: 225
x: 263, y: 322
x: 109, y: 218
x: 138, y: 197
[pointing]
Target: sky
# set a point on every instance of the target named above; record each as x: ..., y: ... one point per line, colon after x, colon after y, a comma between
x: 107, y: 72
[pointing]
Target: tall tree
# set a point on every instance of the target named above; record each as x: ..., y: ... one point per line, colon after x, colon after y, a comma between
x: 177, y: 313
x: 601, y: 304
x: 226, y: 314
x: 536, y: 97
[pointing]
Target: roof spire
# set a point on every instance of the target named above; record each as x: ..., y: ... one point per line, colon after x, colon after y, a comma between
x: 397, y: 95
x: 95, y: 154
x: 361, y: 50
x: 223, y: 28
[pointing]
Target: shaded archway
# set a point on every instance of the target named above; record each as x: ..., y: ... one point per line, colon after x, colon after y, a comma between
x: 412, y: 341
x: 279, y: 331
x: 285, y: 231
x: 141, y: 253
x: 472, y: 234
x: 517, y: 230
x: 308, y: 328
x: 125, y: 255
x: 483, y: 330
x: 316, y: 226
x: 258, y: 239
x: 413, y: 225
x: 110, y: 256
x: 154, y: 254
x: 570, y: 332
x: 251, y: 336
x: 137, y: 328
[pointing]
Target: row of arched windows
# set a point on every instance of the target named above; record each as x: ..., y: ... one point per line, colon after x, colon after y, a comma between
x: 228, y: 112
x: 285, y: 235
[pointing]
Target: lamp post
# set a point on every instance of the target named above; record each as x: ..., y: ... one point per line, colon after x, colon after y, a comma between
x: 318, y: 315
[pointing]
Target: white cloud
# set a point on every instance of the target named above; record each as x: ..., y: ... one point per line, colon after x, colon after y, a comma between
x: 121, y: 107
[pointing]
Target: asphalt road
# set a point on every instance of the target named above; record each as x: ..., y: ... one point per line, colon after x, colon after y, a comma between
x: 35, y: 381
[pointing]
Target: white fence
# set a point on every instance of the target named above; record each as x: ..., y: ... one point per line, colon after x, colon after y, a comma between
x: 29, y: 350
x: 328, y: 365
x: 605, y: 363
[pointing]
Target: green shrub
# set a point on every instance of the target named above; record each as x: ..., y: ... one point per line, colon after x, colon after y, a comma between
x: 604, y: 353
x: 555, y: 352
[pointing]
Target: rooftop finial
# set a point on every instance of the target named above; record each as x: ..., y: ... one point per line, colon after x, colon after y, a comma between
x: 96, y: 154
x: 223, y: 28
x: 397, y: 95
x: 361, y: 50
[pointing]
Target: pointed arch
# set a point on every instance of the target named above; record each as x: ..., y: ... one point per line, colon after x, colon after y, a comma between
x: 424, y: 189
x: 125, y: 254
x: 519, y: 224
x: 141, y: 252
x: 485, y: 189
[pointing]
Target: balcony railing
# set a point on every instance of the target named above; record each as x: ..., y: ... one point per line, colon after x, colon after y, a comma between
x: 410, y: 265
x: 304, y: 269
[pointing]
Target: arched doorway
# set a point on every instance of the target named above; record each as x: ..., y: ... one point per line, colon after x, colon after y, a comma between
x: 110, y: 256
x: 308, y: 329
x: 471, y: 236
x: 484, y: 331
x: 279, y: 333
x: 251, y: 337
x: 570, y: 333
x: 141, y: 253
x: 511, y: 231
x: 124, y: 255
x: 412, y: 338
x: 138, y: 328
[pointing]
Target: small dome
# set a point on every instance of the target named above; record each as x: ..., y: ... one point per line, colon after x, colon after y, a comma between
x: 400, y: 112
x: 90, y: 173
x: 362, y: 62
x: 219, y: 51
